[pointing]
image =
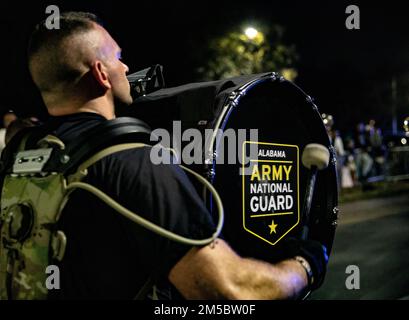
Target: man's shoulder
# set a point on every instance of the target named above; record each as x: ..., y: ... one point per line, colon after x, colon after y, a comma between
x: 132, y: 156
x: 144, y: 156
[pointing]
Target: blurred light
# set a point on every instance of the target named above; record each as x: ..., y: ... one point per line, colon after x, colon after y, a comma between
x: 289, y: 73
x: 406, y: 124
x: 328, y: 120
x: 251, y: 33
x: 403, y: 141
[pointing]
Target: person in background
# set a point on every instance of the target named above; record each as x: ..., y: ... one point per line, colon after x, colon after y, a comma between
x: 8, y: 118
x: 19, y: 124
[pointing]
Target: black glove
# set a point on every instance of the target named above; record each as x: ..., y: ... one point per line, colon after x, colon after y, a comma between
x: 316, y: 255
x: 314, y: 252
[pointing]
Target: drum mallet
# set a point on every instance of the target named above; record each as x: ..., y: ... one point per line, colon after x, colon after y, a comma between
x: 314, y: 157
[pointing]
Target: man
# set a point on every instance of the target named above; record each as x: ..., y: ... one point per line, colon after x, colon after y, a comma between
x: 81, y: 77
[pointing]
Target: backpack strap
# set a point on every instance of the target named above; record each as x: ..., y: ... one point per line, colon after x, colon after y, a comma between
x: 104, y: 135
x: 82, y: 168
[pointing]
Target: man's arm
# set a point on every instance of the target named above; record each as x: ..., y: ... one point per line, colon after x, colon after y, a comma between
x: 217, y: 272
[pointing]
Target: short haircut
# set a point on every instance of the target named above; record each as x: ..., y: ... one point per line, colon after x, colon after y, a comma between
x: 45, y: 47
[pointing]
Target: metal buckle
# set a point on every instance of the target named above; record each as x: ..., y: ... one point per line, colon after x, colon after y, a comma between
x: 31, y: 161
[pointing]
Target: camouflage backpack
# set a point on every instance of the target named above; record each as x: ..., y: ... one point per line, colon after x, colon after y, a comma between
x: 36, y: 184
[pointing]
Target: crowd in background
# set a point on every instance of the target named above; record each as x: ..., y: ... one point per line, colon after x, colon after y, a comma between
x: 361, y: 155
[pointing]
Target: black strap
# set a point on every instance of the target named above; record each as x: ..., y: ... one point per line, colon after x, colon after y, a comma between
x: 108, y: 133
x: 33, y: 134
x: 105, y: 134
x: 7, y: 156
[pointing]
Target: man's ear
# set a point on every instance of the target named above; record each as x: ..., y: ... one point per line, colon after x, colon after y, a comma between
x: 101, y: 75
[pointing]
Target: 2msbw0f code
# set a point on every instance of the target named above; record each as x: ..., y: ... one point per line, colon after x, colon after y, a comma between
x: 226, y: 309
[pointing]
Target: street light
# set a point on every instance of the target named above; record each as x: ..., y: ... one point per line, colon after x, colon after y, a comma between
x: 251, y: 33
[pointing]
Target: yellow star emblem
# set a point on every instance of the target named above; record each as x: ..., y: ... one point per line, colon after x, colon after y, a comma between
x: 273, y: 227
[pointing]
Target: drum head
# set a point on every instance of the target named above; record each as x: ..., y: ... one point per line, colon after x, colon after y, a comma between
x: 263, y: 202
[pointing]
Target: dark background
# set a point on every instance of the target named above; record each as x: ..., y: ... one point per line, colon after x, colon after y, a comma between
x: 348, y: 72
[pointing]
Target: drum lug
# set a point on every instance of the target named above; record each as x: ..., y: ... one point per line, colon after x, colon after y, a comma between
x: 333, y: 155
x: 274, y: 76
x: 211, y: 157
x: 234, y: 97
x: 335, y: 211
x: 310, y: 100
x: 210, y: 174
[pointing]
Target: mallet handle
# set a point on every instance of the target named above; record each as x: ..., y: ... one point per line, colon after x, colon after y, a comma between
x: 309, y: 192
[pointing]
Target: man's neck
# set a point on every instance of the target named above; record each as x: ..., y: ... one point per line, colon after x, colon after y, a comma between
x: 99, y: 106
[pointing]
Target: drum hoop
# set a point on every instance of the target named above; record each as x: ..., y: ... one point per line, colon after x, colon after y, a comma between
x: 230, y: 103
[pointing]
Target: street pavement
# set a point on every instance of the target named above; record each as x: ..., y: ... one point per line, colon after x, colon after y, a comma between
x: 374, y: 236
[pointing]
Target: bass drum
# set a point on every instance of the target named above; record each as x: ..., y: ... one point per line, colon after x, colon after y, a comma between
x: 259, y: 177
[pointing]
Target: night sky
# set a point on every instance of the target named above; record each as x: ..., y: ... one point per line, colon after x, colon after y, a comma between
x: 348, y: 72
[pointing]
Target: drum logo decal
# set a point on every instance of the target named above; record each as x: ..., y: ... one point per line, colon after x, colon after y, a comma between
x: 270, y: 198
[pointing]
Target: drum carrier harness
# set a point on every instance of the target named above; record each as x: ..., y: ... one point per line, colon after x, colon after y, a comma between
x: 36, y: 185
